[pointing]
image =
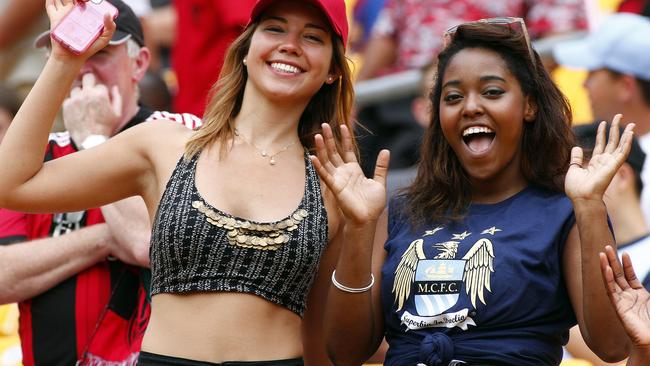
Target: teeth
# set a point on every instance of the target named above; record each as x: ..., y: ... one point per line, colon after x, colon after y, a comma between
x: 285, y: 68
x: 473, y: 130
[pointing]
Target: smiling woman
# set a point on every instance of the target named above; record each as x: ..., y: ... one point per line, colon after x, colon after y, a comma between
x: 244, y: 235
x: 491, y: 255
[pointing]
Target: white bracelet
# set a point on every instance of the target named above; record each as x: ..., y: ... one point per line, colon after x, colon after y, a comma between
x: 352, y: 289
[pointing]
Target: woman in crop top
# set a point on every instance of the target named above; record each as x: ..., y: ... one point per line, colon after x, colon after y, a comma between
x: 244, y: 234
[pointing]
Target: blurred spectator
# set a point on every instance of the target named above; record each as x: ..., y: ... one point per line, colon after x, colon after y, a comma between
x: 623, y: 200
x: 365, y: 13
x: 641, y: 7
x: 159, y: 33
x: 205, y: 29
x: 617, y: 56
x: 20, y: 63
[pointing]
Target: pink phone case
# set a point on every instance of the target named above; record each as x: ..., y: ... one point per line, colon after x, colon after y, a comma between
x: 83, y: 25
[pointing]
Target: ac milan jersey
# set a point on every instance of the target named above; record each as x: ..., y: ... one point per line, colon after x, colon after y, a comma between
x: 98, y: 316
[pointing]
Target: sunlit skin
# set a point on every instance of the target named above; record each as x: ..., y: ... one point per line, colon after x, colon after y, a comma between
x: 295, y: 36
x: 479, y: 91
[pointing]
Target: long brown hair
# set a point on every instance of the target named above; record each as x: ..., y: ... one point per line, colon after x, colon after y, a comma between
x: 442, y: 190
x: 331, y: 104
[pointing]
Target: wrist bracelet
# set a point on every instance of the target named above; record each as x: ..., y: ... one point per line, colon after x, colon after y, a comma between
x: 352, y: 290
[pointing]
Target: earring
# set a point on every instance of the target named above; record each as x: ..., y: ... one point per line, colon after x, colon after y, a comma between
x: 244, y: 61
x: 330, y: 79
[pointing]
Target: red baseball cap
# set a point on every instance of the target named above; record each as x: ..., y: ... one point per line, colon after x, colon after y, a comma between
x: 334, y: 9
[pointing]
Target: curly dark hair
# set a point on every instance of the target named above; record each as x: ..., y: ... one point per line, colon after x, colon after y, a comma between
x: 442, y: 190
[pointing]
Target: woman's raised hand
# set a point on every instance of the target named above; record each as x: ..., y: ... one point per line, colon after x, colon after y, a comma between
x: 630, y: 299
x: 590, y: 182
x: 56, y: 10
x: 361, y: 199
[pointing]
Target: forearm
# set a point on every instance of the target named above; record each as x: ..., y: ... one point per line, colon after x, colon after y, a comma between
x: 28, y: 269
x: 16, y: 18
x: 350, y: 329
x: 129, y: 223
x: 601, y: 329
x: 21, y: 151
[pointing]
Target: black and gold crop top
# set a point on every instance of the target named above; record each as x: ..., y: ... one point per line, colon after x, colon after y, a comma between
x: 196, y: 247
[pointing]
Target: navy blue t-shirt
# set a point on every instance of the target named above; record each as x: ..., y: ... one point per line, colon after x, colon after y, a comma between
x: 488, y: 289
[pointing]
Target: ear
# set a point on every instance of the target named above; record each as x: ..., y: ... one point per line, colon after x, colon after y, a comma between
x: 530, y: 112
x: 141, y: 64
x: 628, y: 87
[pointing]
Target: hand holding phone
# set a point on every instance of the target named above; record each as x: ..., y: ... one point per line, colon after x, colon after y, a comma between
x: 83, y: 25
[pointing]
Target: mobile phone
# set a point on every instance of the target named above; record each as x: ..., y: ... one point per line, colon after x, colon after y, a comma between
x: 83, y: 25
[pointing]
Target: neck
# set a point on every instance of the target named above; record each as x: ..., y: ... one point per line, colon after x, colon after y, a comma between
x: 503, y: 185
x: 627, y: 218
x: 268, y: 124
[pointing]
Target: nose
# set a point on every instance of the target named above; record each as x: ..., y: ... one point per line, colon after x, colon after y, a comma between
x: 291, y: 44
x: 472, y: 106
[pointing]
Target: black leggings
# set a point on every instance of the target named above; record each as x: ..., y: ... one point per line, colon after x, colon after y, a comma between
x: 152, y: 359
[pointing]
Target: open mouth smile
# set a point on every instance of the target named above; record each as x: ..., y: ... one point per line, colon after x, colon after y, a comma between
x: 285, y: 68
x: 478, y: 138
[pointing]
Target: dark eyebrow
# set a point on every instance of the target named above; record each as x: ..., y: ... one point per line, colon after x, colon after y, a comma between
x: 483, y: 79
x: 308, y: 25
x: 451, y: 83
x: 493, y: 78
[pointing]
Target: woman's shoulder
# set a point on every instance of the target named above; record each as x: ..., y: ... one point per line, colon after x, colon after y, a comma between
x: 159, y: 132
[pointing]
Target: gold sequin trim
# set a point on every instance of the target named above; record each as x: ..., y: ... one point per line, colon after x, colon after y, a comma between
x: 246, y: 234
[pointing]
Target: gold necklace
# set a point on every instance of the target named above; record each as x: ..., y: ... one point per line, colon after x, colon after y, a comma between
x: 263, y: 152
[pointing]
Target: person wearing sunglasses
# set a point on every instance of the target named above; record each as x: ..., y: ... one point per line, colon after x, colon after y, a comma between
x: 491, y: 254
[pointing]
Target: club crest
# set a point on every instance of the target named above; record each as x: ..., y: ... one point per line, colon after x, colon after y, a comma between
x: 436, y: 284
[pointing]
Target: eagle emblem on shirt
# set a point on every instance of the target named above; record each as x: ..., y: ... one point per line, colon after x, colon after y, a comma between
x: 437, y: 282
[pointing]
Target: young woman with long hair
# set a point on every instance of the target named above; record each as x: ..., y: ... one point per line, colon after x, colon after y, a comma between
x: 491, y: 255
x: 240, y: 219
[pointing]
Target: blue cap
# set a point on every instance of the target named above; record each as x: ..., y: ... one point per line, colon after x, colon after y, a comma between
x: 621, y: 44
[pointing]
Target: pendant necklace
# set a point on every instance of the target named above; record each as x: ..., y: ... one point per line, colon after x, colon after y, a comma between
x: 263, y: 152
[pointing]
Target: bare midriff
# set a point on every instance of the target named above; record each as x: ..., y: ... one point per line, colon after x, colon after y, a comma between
x: 222, y: 326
